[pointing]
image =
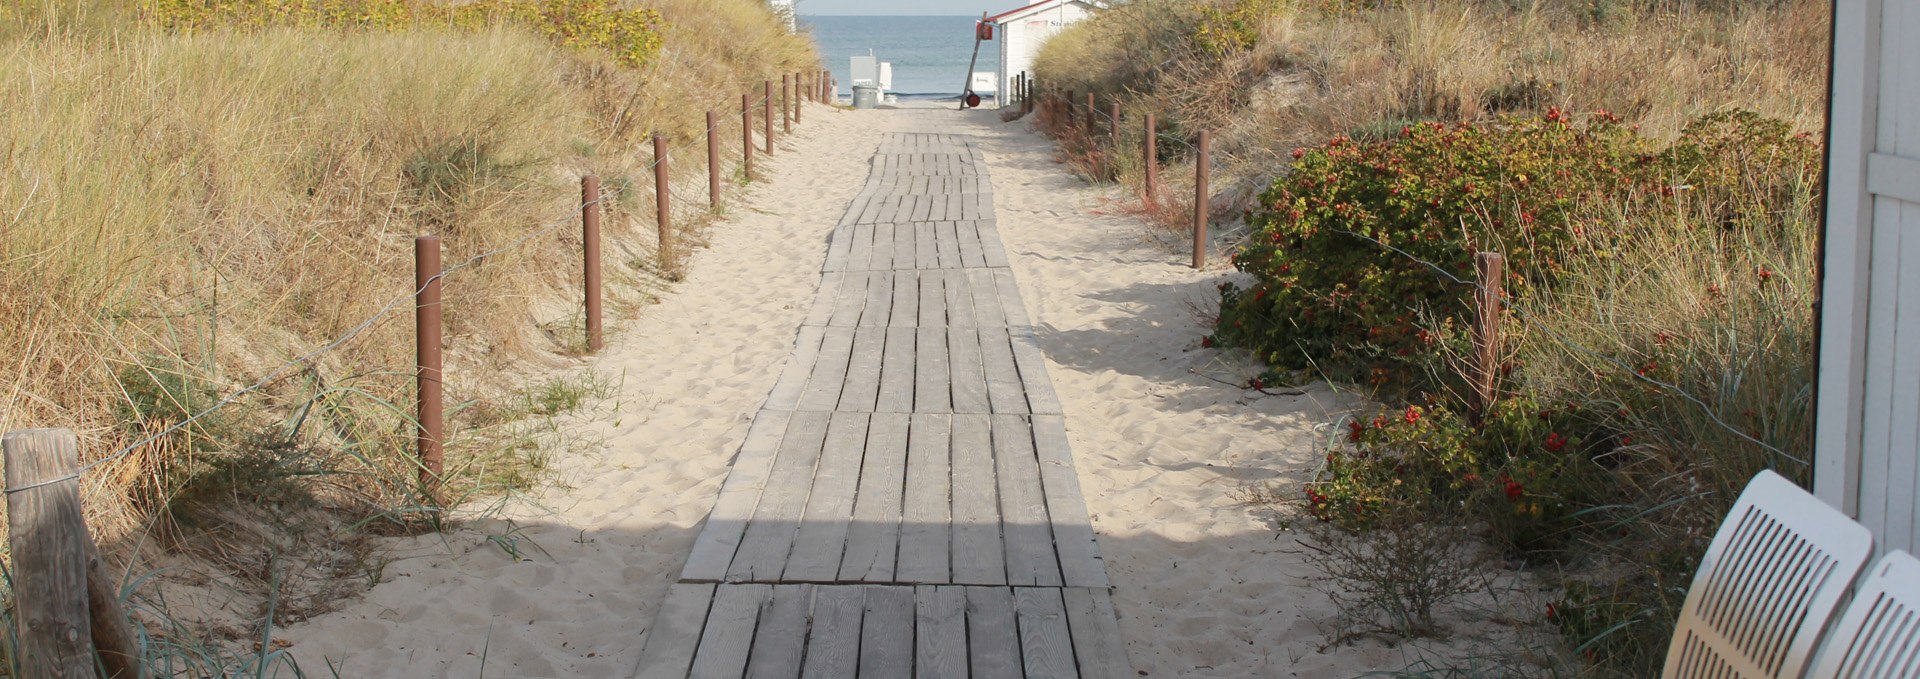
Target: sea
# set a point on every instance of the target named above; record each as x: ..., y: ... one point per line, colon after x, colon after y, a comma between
x: 929, y: 54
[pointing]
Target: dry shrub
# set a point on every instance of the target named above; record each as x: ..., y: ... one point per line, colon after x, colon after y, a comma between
x: 1401, y: 576
x: 1318, y: 70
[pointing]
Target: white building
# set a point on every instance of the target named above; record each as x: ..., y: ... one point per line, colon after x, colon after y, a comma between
x: 785, y: 9
x: 1022, y: 31
x: 1867, y: 444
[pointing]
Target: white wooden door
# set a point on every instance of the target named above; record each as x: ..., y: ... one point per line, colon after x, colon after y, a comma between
x: 1868, y: 442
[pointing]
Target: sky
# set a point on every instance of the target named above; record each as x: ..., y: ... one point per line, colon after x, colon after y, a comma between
x: 971, y: 8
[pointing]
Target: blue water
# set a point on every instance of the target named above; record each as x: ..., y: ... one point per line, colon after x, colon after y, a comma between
x: 929, y: 54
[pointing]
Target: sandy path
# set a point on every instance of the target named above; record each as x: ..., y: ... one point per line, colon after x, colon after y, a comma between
x: 694, y: 369
x: 1203, y: 585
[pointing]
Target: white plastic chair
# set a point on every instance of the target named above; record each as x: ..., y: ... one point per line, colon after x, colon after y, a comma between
x: 1774, y: 576
x: 1879, y: 635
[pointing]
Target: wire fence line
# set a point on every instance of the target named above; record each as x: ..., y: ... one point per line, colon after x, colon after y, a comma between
x: 388, y: 308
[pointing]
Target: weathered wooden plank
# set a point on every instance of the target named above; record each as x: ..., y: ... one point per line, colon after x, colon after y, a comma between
x: 675, y: 633
x: 949, y: 242
x: 1041, y: 398
x: 874, y: 535
x: 825, y: 298
x: 940, y: 648
x: 793, y: 378
x: 969, y: 377
x: 925, y: 518
x: 727, y: 523
x: 1002, y: 374
x: 833, y: 651
x: 839, y: 245
x: 1095, y: 627
x: 971, y: 253
x: 829, y: 370
x: 862, y: 249
x: 897, y: 372
x: 978, y: 553
x: 959, y: 299
x: 1046, y: 642
x: 729, y: 633
x: 886, y: 639
x: 881, y: 256
x: 906, y: 297
x: 986, y: 298
x: 926, y: 246
x: 1023, y: 505
x: 780, y: 640
x: 879, y: 304
x: 850, y: 300
x: 930, y: 384
x: 1080, y: 563
x: 863, y: 370
x: 1012, y: 308
x: 923, y: 208
x: 933, y: 299
x: 823, y: 531
x: 992, y: 249
x: 763, y: 550
x: 993, y: 636
x: 905, y: 246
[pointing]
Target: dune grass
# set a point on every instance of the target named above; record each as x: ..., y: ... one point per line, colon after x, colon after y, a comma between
x: 187, y: 211
x: 1666, y: 359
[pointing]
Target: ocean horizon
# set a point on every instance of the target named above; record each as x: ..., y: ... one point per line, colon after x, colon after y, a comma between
x: 929, y: 53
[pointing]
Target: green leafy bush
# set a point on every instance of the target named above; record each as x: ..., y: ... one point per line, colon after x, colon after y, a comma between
x: 1339, y: 245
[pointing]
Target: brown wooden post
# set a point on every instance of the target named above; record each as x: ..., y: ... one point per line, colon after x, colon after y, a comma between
x: 746, y: 137
x: 1113, y: 129
x: 590, y: 211
x: 1090, y: 113
x: 1152, y: 156
x: 48, y: 537
x: 428, y: 375
x: 799, y: 102
x: 713, y: 160
x: 766, y: 113
x: 786, y: 103
x: 1200, y: 198
x: 1490, y: 267
x: 663, y: 204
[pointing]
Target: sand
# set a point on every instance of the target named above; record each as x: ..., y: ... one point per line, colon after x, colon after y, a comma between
x: 1163, y: 440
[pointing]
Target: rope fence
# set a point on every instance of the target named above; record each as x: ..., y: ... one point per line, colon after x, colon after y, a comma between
x: 55, y: 566
x: 1491, y: 304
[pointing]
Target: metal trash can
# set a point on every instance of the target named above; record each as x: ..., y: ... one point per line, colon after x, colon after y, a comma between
x: 866, y: 96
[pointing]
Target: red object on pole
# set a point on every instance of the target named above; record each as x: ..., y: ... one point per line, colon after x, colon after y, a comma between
x: 1152, y: 188
x: 663, y: 202
x: 1200, y: 201
x: 590, y: 253
x: 713, y: 160
x: 746, y: 137
x: 786, y: 102
x: 431, y: 433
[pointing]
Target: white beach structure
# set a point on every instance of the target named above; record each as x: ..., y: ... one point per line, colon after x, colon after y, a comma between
x: 786, y: 10
x: 1867, y: 440
x: 1020, y: 33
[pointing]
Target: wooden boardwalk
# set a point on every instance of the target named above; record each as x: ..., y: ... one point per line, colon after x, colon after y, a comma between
x: 905, y: 504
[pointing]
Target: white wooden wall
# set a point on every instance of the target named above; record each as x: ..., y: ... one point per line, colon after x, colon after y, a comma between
x: 1020, y: 39
x: 1867, y: 459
